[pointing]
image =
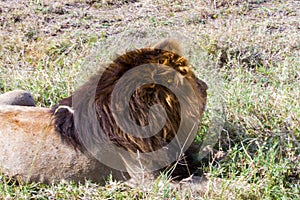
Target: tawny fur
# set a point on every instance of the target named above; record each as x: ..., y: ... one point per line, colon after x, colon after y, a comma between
x: 31, y: 150
x: 40, y: 144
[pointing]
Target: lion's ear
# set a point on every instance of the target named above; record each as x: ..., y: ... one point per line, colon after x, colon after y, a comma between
x: 169, y: 45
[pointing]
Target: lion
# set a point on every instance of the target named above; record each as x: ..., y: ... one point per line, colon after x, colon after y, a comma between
x: 49, y: 145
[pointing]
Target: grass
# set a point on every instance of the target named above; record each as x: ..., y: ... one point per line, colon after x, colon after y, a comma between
x: 252, y: 47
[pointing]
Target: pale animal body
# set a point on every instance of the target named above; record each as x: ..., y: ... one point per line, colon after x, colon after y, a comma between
x: 43, y: 145
x: 31, y: 150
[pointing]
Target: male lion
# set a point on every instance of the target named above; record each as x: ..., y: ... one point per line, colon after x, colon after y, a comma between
x: 47, y: 145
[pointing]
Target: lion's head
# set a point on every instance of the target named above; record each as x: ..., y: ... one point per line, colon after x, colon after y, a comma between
x: 168, y: 57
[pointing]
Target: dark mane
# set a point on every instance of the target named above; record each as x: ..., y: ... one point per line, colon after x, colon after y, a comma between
x: 140, y: 102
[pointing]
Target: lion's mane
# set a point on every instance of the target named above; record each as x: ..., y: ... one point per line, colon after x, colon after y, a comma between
x: 165, y: 53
